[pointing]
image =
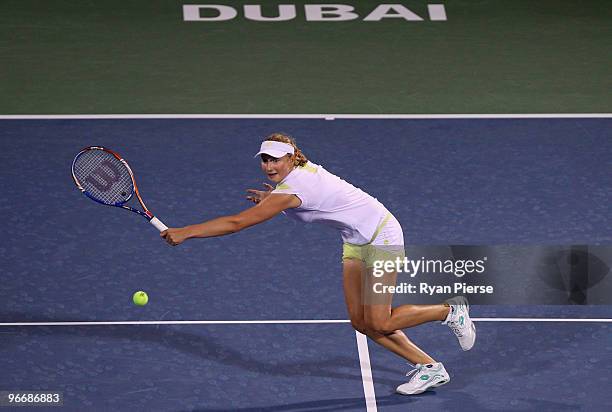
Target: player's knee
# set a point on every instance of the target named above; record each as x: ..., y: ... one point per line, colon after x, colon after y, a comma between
x: 379, y: 327
x: 359, y: 325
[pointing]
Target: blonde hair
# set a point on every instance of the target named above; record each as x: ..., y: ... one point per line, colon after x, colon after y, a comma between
x: 299, y: 158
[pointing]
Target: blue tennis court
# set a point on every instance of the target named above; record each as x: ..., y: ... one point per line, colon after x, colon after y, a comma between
x: 256, y: 321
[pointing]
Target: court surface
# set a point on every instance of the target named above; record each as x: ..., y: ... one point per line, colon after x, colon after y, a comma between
x: 70, y: 260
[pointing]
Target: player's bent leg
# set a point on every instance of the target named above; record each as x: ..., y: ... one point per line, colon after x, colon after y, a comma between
x: 396, y: 341
x: 377, y: 321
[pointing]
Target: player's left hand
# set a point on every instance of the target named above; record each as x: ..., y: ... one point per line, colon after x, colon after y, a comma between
x: 256, y: 196
x: 174, y: 236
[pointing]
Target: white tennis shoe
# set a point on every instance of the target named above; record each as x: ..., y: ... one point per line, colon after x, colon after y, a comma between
x: 424, y: 377
x: 459, y: 321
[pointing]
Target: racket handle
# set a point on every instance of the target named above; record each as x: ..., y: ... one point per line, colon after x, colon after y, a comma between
x: 158, y: 224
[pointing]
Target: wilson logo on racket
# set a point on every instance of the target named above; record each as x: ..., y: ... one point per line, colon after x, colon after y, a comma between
x: 105, y: 177
x: 101, y: 178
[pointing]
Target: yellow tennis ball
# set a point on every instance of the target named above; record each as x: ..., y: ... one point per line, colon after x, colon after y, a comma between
x: 140, y: 298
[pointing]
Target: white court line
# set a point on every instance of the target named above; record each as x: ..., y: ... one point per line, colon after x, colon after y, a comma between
x: 541, y: 320
x: 330, y: 116
x: 366, y: 372
x: 273, y: 322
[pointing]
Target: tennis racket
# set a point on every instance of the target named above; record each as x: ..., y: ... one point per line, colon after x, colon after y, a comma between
x: 103, y: 176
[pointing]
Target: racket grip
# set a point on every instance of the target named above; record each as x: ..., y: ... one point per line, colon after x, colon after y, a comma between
x: 158, y: 224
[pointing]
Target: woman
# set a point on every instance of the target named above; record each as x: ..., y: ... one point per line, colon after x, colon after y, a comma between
x: 309, y: 193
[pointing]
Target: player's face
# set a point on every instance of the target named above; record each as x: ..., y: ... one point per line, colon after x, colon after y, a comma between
x: 276, y: 168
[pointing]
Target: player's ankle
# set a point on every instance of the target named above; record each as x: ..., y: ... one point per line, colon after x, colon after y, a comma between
x: 445, y: 312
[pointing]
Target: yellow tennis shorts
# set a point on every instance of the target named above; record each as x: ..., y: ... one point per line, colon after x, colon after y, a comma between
x: 387, y: 243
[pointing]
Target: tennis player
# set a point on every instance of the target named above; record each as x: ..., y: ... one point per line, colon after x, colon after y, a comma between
x: 307, y: 192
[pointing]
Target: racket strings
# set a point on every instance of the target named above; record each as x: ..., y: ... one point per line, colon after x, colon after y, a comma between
x: 103, y: 177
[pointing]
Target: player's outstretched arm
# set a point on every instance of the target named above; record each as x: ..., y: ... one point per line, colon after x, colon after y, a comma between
x: 266, y: 209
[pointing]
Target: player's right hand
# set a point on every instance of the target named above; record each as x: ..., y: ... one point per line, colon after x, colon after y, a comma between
x: 174, y: 236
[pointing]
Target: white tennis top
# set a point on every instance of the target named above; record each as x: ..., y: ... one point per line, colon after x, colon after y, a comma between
x: 332, y: 201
